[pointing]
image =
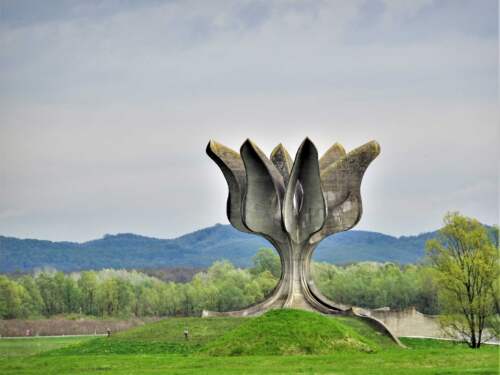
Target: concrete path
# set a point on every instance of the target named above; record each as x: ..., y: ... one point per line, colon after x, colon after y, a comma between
x: 490, y: 342
x: 41, y: 337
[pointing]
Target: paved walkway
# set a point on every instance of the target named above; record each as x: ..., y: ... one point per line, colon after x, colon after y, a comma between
x: 490, y: 342
x: 41, y: 337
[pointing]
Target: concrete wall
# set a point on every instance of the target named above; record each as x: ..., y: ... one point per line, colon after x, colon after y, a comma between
x: 409, y: 322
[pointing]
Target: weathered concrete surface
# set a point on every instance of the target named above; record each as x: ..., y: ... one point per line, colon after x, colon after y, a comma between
x: 409, y: 322
x: 294, y: 205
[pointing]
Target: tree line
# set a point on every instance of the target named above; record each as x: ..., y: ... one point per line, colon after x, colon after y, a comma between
x: 124, y: 294
x: 375, y: 285
x: 222, y: 287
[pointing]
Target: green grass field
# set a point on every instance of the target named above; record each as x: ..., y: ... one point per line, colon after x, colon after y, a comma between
x: 243, y: 345
x: 29, y: 346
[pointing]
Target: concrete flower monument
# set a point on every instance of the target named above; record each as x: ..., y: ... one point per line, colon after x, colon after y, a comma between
x: 294, y: 205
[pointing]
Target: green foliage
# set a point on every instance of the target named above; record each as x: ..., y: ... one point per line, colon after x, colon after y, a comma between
x: 50, y: 286
x: 32, y: 301
x: 120, y: 293
x: 88, y: 289
x: 11, y: 297
x: 223, y: 287
x: 467, y: 268
x: 267, y: 260
x: 375, y: 285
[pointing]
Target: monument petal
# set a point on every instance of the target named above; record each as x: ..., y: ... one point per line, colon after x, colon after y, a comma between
x: 264, y: 194
x: 233, y: 169
x: 283, y: 162
x: 341, y: 184
x: 304, y: 213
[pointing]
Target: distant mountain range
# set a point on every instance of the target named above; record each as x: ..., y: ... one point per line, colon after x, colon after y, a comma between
x: 197, y: 249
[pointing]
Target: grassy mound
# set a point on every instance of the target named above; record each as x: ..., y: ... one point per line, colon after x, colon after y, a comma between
x: 275, y: 333
x: 287, y: 332
x: 162, y: 337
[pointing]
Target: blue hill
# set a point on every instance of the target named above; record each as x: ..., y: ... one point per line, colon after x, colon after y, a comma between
x: 197, y: 249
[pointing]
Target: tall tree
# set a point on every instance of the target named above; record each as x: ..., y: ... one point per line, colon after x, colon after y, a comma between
x: 267, y: 260
x: 32, y: 303
x: 88, y: 287
x: 10, y: 298
x: 467, y: 267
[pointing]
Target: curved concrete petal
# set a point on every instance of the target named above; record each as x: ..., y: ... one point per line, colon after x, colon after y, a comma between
x: 283, y: 162
x: 233, y: 169
x: 264, y: 194
x: 333, y: 154
x: 341, y: 183
x: 305, y: 217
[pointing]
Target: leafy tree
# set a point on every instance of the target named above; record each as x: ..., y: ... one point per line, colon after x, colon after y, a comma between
x: 266, y: 260
x: 88, y: 288
x: 146, y: 300
x: 32, y: 302
x: 374, y: 285
x: 107, y: 297
x: 125, y: 297
x: 71, y: 295
x: 169, y: 299
x: 427, y: 290
x: 467, y: 267
x: 230, y: 297
x: 266, y: 282
x: 51, y: 291
x: 187, y: 299
x: 10, y: 298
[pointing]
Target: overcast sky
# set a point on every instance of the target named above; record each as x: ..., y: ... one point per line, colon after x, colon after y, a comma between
x: 106, y: 107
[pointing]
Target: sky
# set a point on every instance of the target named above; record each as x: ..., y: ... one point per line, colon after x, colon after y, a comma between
x: 106, y: 107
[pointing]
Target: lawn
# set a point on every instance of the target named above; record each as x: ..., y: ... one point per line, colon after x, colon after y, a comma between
x: 434, y: 360
x: 160, y: 348
x: 28, y: 346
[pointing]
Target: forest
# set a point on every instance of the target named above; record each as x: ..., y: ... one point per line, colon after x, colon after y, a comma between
x: 221, y: 287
